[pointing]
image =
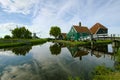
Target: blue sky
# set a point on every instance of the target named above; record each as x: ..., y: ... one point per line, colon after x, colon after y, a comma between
x: 40, y: 15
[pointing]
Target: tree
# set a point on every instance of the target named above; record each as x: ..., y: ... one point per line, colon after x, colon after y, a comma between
x: 7, y: 37
x: 55, y: 31
x: 21, y: 32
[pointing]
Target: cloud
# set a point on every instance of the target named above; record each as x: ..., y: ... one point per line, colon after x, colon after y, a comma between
x: 5, y: 29
x: 53, y: 13
x: 18, y: 6
x: 64, y: 13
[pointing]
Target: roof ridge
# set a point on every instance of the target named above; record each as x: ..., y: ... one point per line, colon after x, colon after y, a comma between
x: 82, y: 29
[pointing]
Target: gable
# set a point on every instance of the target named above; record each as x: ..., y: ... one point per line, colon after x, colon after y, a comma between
x: 72, y: 30
x: 95, y: 28
x: 102, y: 31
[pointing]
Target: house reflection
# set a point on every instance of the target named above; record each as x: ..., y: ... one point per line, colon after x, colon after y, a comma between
x: 98, y: 51
x: 77, y: 51
x: 103, y: 50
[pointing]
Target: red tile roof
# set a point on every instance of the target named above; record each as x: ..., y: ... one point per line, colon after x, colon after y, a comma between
x: 95, y: 28
x: 81, y: 29
x: 80, y: 53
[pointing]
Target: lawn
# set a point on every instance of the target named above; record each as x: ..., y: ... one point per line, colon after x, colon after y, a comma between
x: 20, y: 42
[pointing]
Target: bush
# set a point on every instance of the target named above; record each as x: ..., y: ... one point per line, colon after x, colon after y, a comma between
x: 7, y: 37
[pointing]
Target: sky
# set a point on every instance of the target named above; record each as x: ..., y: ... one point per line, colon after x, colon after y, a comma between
x: 39, y: 15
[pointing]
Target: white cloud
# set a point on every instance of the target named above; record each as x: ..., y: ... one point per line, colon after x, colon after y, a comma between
x: 53, y: 13
x: 47, y: 13
x: 18, y: 6
x: 5, y: 28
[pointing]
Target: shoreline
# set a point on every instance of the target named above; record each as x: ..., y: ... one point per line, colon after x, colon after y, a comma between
x: 82, y: 43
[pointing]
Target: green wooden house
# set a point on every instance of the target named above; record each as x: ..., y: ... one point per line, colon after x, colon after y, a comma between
x: 78, y: 32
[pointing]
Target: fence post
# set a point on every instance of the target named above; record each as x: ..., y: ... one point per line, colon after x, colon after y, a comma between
x: 111, y: 36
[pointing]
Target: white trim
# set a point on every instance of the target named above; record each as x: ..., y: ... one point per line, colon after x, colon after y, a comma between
x: 74, y: 28
x: 97, y: 30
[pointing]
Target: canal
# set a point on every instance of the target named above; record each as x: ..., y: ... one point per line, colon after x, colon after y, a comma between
x: 54, y: 61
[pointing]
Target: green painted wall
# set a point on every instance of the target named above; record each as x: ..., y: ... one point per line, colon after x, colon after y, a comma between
x: 73, y: 35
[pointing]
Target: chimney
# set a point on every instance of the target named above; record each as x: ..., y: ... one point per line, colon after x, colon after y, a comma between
x: 80, y: 24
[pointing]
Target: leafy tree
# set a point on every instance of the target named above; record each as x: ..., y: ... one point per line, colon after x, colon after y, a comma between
x: 21, y: 32
x: 55, y: 31
x: 7, y: 37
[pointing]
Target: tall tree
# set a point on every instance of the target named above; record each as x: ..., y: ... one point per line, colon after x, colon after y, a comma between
x: 55, y: 31
x: 21, y: 32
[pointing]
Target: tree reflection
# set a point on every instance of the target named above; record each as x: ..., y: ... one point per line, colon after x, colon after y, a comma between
x: 21, y: 50
x: 55, y: 49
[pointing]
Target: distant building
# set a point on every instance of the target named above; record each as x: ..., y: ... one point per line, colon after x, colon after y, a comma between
x: 78, y: 32
x: 62, y: 36
x: 98, y: 30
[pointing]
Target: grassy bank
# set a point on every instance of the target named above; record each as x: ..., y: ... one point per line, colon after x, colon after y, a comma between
x: 83, y: 42
x: 104, y: 73
x: 20, y: 42
x: 103, y: 42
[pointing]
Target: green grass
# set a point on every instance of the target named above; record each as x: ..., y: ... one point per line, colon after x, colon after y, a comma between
x: 111, y: 76
x: 20, y: 42
x: 103, y: 41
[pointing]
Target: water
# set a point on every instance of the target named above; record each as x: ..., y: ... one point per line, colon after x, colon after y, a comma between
x: 52, y: 61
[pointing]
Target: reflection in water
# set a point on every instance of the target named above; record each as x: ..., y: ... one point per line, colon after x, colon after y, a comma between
x: 55, y: 49
x: 97, y: 50
x: 77, y: 51
x: 101, y: 48
x: 117, y: 60
x: 34, y: 71
x: 41, y: 65
x: 22, y: 50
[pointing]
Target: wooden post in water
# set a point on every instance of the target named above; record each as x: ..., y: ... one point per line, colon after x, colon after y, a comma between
x: 111, y: 36
x: 91, y: 40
